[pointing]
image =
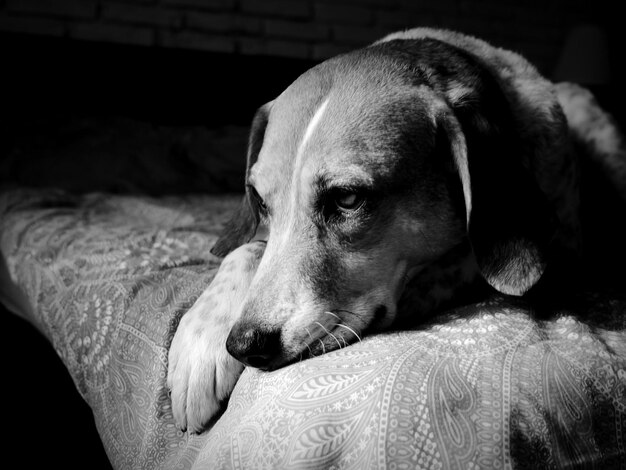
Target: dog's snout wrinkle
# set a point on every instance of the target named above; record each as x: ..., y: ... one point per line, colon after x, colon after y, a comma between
x: 254, y: 346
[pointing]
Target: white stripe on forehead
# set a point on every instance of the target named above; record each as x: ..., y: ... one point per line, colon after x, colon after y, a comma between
x: 308, y: 133
x: 300, y: 160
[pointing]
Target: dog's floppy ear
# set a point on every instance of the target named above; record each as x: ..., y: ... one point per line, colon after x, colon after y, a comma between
x: 508, y: 221
x: 508, y: 137
x: 243, y: 224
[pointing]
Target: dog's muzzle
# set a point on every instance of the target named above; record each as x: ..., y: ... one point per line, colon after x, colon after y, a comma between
x: 254, y: 346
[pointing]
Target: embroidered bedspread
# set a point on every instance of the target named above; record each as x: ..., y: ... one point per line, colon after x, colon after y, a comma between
x: 107, y: 278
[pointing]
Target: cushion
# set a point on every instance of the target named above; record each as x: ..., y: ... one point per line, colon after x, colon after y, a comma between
x: 107, y: 278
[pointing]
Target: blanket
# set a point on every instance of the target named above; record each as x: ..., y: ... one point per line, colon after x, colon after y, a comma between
x: 107, y: 278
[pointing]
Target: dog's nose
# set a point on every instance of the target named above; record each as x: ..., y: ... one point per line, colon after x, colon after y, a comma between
x: 254, y: 346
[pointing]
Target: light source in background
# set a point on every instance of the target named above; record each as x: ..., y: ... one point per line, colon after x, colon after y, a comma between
x: 585, y: 57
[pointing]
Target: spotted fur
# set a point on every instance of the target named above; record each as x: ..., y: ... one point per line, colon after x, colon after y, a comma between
x: 201, y: 373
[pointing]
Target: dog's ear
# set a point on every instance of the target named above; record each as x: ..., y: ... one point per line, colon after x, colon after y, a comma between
x: 243, y: 224
x: 509, y: 223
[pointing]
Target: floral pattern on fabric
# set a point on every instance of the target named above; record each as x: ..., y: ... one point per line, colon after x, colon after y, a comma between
x: 491, y: 388
x: 108, y: 278
x: 486, y: 386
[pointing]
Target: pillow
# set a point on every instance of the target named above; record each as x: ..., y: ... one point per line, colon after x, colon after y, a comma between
x: 107, y: 278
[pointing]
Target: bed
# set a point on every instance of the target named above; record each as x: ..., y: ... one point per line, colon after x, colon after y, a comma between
x: 106, y: 276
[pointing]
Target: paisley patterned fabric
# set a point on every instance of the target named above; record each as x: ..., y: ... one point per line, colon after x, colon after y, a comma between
x: 490, y: 385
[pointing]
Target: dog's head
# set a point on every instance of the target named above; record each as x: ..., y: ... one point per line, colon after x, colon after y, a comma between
x: 368, y: 168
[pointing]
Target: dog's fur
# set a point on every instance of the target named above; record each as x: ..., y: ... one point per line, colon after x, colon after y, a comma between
x: 392, y: 180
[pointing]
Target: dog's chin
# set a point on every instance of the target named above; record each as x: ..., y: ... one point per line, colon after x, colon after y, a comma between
x: 278, y: 363
x: 325, y: 345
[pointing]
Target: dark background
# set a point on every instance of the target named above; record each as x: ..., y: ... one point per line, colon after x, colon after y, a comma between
x: 213, y: 62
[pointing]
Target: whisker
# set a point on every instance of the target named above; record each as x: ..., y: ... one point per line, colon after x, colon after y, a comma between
x: 329, y: 333
x: 323, y: 347
x: 334, y: 315
x: 343, y: 338
x: 341, y: 325
x: 335, y: 338
x: 307, y: 344
x: 309, y: 348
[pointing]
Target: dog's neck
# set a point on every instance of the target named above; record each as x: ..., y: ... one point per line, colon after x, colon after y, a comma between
x: 451, y: 280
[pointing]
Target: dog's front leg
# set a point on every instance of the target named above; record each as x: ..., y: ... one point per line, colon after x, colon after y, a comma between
x: 201, y: 373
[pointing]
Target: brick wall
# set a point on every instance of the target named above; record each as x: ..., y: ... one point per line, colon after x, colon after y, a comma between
x: 308, y: 29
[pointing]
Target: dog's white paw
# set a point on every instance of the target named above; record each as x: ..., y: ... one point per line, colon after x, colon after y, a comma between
x: 201, y: 373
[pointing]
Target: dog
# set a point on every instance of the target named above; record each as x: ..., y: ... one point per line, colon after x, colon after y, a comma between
x: 392, y: 181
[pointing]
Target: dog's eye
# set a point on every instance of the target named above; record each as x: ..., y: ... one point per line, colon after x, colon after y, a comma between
x: 348, y: 200
x: 258, y: 199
